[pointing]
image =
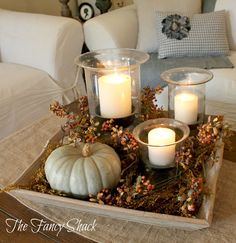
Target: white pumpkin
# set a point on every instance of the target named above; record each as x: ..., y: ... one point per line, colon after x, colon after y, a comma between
x: 84, y: 169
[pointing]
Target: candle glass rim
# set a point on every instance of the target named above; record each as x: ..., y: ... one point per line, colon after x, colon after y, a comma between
x: 169, y: 123
x: 138, y: 56
x: 166, y: 76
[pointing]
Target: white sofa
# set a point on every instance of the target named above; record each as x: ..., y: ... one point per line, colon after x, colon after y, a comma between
x: 119, y: 29
x: 37, y: 55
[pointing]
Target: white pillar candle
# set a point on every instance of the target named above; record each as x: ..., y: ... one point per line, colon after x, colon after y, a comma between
x: 186, y: 107
x: 115, y: 95
x: 161, y: 156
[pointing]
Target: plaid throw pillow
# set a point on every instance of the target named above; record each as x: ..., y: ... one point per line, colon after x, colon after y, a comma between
x: 200, y: 35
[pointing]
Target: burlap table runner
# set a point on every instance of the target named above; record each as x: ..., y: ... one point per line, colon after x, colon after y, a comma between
x: 21, y: 149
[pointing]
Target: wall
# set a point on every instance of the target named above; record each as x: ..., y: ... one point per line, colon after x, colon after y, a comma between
x: 120, y: 3
x: 52, y: 7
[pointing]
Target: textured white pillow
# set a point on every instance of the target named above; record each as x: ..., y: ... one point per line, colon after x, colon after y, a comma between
x: 146, y: 10
x: 206, y: 37
x: 230, y: 7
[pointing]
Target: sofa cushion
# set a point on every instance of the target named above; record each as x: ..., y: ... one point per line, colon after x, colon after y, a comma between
x: 200, y: 35
x: 152, y: 69
x: 222, y: 87
x: 146, y: 10
x: 25, y: 95
x: 49, y: 43
x: 230, y: 7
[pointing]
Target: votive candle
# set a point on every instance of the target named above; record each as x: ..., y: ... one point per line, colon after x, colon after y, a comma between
x: 186, y: 107
x: 165, y: 153
x: 115, y: 95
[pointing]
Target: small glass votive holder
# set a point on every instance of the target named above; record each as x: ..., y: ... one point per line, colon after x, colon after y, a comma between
x: 159, y: 139
x: 186, y: 93
x: 113, y: 83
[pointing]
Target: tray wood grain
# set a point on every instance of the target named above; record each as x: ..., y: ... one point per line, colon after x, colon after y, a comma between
x: 203, y: 221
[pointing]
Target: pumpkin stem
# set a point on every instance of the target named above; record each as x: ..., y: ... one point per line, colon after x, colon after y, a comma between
x: 86, y: 150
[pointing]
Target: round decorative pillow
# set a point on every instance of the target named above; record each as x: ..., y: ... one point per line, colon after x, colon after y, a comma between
x: 84, y: 169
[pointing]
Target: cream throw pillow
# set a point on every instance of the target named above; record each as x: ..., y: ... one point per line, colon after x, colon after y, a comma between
x: 146, y: 10
x: 230, y: 7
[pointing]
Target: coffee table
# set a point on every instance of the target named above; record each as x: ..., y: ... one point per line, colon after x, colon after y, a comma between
x: 19, y: 151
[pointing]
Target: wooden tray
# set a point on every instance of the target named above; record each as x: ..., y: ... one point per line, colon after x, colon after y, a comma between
x: 203, y: 221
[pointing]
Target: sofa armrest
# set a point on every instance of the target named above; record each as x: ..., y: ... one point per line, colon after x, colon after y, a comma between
x: 48, y: 43
x: 115, y: 29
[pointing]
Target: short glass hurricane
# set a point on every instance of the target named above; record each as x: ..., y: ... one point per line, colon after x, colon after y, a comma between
x: 113, y: 82
x: 159, y: 140
x: 186, y: 93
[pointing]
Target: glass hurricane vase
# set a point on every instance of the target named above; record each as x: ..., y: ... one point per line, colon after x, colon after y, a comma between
x: 186, y: 93
x: 159, y: 140
x: 113, y: 82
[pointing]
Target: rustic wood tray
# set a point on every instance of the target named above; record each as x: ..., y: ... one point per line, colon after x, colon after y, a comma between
x: 203, y: 221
